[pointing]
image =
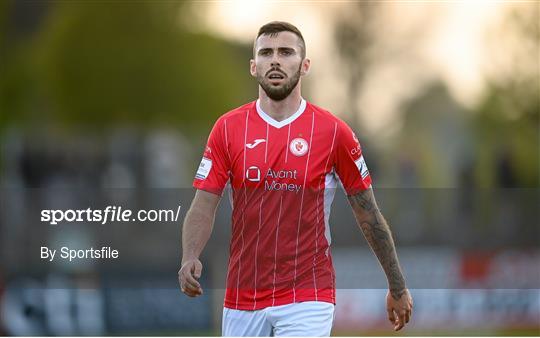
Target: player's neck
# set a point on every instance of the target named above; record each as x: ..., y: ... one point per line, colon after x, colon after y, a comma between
x: 280, y: 110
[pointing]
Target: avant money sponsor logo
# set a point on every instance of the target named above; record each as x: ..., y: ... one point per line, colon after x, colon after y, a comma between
x: 272, y: 179
x: 253, y: 174
x: 272, y: 184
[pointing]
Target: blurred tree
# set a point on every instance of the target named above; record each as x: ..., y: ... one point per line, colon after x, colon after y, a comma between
x: 435, y: 139
x: 3, y: 60
x: 508, y: 118
x: 365, y: 44
x: 105, y: 64
x: 18, y: 21
x: 354, y: 33
x: 3, y: 17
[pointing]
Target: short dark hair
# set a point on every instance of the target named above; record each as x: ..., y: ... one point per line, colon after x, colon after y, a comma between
x: 275, y: 27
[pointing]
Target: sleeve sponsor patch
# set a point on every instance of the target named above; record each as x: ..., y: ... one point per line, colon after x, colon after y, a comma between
x: 362, y: 167
x: 204, y: 169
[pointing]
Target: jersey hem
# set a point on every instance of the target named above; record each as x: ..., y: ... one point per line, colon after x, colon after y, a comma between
x: 250, y: 307
x: 210, y: 190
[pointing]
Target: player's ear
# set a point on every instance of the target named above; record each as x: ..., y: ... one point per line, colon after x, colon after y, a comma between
x: 304, y: 69
x: 252, y: 68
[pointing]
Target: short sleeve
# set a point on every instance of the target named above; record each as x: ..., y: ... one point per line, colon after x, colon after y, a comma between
x: 349, y: 162
x: 213, y: 172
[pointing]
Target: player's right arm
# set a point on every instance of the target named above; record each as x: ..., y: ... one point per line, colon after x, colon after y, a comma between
x: 196, y: 231
x: 209, y: 181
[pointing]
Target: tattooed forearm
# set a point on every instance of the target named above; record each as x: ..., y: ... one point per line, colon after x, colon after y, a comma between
x: 379, y: 237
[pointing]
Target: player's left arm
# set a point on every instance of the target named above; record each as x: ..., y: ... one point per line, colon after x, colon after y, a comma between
x: 377, y: 232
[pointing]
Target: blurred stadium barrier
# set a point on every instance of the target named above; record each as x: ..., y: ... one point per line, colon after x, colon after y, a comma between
x: 481, y: 291
x: 453, y: 291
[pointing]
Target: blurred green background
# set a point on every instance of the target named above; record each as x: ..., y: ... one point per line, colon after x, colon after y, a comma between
x: 119, y: 94
x: 93, y: 67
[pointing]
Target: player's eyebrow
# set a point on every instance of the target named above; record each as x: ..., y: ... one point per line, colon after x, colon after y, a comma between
x: 280, y: 49
x: 286, y: 49
x: 264, y: 50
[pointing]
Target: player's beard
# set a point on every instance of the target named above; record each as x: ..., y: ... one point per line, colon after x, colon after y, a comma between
x: 278, y: 93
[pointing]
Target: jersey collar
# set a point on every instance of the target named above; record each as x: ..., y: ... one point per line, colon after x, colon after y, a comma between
x: 279, y: 124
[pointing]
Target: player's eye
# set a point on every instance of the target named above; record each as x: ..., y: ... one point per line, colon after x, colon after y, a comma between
x: 287, y: 51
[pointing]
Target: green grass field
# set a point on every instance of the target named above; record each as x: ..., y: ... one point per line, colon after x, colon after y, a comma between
x: 525, y: 332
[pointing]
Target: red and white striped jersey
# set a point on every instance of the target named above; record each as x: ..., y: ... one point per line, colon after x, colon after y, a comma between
x: 283, y: 177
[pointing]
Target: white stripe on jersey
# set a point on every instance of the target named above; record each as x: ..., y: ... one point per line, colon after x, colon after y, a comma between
x: 332, y: 270
x: 324, y: 210
x: 230, y: 194
x: 227, y: 141
x: 243, y: 213
x: 287, y: 145
x: 230, y: 188
x: 275, y: 249
x: 302, y: 204
x: 266, y: 143
x: 256, y: 248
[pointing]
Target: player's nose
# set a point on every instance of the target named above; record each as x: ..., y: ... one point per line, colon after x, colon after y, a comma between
x: 275, y: 60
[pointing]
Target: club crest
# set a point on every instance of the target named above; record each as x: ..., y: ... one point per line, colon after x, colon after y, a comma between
x: 298, y: 146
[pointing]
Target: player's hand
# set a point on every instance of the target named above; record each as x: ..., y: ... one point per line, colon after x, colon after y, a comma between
x: 399, y: 310
x: 188, y: 276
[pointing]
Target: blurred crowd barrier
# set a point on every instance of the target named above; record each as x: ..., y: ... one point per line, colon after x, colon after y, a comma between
x: 66, y: 305
x: 454, y: 291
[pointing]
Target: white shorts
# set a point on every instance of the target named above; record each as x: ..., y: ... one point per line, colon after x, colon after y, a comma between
x: 309, y: 318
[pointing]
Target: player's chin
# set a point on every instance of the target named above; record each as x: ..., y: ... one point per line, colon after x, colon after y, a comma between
x: 276, y: 82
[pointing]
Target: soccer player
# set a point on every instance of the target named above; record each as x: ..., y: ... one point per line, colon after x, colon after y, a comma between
x: 283, y: 157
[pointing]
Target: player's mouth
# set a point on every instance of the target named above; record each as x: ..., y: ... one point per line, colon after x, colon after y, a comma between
x: 276, y: 77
